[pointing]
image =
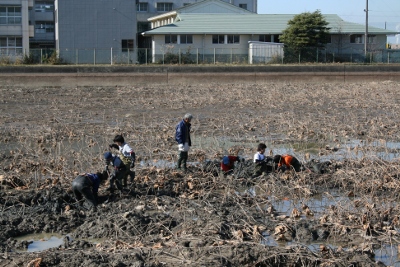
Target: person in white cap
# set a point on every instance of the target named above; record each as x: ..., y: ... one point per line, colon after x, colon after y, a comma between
x: 182, y: 136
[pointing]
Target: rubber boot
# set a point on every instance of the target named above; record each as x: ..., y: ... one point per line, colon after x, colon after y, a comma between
x: 125, y: 180
x: 180, y: 159
x: 132, y: 176
x: 119, y: 184
x: 184, y: 160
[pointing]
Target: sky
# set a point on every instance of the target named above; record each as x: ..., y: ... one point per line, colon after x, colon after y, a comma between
x: 381, y: 13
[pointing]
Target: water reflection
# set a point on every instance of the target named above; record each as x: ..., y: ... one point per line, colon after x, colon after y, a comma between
x: 43, y: 241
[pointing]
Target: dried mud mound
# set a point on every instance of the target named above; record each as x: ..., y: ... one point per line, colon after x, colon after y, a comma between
x: 201, y: 218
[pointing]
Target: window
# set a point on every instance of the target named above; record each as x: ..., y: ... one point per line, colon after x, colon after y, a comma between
x: 10, y: 15
x: 265, y: 38
x: 218, y: 39
x: 127, y: 45
x: 186, y: 39
x: 371, y: 39
x: 171, y: 39
x: 143, y: 26
x: 44, y: 27
x: 244, y: 6
x: 10, y: 45
x: 233, y: 39
x: 356, y: 39
x: 271, y: 38
x: 164, y: 6
x: 44, y: 6
x: 142, y: 7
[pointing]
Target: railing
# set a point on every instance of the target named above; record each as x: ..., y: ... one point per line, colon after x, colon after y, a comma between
x: 196, y: 56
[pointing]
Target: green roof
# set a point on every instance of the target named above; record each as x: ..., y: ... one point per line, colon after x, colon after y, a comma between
x: 252, y: 24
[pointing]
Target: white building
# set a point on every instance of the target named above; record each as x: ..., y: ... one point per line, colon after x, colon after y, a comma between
x: 214, y: 34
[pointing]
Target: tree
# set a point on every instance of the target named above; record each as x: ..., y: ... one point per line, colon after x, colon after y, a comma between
x: 306, y: 30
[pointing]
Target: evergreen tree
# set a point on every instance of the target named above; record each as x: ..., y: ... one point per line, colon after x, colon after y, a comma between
x: 305, y: 33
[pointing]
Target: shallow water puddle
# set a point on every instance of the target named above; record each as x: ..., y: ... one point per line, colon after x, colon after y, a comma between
x: 43, y: 241
x: 40, y: 242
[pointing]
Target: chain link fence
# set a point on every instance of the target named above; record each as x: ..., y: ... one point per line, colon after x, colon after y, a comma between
x: 197, y: 56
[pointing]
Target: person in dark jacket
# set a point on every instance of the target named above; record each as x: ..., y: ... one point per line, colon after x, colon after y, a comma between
x: 87, y: 186
x: 118, y: 171
x: 182, y: 136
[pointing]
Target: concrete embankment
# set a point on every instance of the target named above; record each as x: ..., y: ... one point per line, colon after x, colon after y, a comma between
x: 131, y: 75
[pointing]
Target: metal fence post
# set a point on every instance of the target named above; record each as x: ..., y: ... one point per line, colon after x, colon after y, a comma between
x: 388, y: 53
x: 111, y: 60
x: 41, y: 56
x: 94, y: 56
x: 214, y: 56
x: 76, y: 57
x: 179, y: 56
x: 197, y: 56
x: 317, y: 54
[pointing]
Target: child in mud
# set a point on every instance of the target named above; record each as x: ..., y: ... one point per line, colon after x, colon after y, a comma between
x: 127, y: 156
x: 287, y: 162
x: 87, y: 186
x: 118, y: 173
x: 260, y: 161
x: 228, y: 163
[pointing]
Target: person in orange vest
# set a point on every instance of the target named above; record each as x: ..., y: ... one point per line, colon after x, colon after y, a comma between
x: 286, y: 162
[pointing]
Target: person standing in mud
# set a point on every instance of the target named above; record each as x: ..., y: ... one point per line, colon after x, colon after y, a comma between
x: 287, y: 162
x: 118, y: 172
x: 127, y: 156
x: 260, y: 160
x: 182, y: 136
x: 87, y: 186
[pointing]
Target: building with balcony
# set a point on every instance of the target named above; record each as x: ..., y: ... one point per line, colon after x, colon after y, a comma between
x: 41, y: 18
x: 14, y: 27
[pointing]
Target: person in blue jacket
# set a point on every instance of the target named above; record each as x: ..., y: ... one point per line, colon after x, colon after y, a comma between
x: 118, y: 171
x: 182, y: 136
x: 87, y: 186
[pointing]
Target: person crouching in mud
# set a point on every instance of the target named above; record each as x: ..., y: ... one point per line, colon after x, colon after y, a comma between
x: 86, y: 186
x: 128, y: 156
x: 118, y: 172
x: 228, y: 164
x: 260, y: 161
x: 287, y: 162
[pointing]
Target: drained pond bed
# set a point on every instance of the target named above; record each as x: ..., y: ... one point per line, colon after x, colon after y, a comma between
x: 344, y: 214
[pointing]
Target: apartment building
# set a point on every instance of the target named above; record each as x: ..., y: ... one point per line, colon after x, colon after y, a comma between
x: 41, y: 18
x: 14, y: 27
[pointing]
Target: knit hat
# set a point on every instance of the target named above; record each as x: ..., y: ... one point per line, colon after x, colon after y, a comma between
x: 225, y: 160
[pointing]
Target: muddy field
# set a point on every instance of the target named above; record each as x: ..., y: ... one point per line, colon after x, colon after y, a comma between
x: 347, y: 214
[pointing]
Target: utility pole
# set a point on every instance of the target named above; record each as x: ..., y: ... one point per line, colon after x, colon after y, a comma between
x: 366, y: 29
